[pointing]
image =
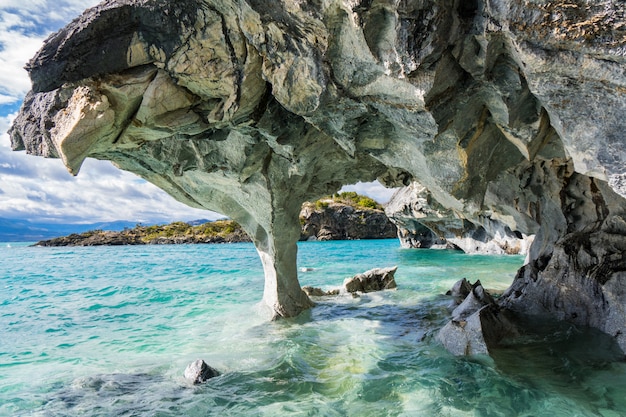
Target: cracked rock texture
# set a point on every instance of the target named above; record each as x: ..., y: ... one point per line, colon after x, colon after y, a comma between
x: 509, y: 112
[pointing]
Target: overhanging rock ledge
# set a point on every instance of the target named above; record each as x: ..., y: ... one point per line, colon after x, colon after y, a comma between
x: 507, y: 111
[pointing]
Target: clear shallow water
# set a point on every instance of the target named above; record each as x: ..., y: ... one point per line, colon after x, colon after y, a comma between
x: 108, y: 331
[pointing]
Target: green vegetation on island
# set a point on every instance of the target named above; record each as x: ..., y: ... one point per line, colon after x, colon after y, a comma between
x: 220, y: 231
x: 349, y: 198
x: 345, y: 215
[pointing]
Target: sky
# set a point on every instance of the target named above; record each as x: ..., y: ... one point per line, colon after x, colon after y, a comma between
x: 41, y: 190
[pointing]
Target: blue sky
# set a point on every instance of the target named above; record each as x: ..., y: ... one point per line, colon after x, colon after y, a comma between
x: 38, y: 189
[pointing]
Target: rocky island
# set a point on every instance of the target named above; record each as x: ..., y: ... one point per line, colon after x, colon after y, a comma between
x: 342, y: 216
x: 509, y: 113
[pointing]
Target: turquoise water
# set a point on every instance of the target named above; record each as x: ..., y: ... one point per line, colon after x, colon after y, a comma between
x: 108, y: 331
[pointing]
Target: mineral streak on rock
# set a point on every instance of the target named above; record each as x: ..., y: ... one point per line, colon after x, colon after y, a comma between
x: 507, y: 111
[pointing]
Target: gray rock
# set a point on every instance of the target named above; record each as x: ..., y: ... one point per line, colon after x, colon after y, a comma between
x: 318, y: 292
x: 460, y: 290
x: 477, y: 333
x: 475, y: 300
x: 477, y: 324
x: 199, y: 372
x: 376, y: 279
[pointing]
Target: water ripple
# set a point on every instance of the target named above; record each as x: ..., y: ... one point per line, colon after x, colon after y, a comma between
x: 108, y: 332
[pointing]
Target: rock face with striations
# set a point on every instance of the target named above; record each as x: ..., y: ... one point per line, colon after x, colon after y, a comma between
x: 504, y: 110
x: 423, y: 223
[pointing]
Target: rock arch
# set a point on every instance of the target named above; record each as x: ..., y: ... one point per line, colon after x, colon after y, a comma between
x: 502, y: 109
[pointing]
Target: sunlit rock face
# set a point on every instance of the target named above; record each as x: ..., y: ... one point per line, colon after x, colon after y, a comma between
x: 506, y: 111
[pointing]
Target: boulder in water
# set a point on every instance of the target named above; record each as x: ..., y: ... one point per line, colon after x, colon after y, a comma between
x: 460, y: 290
x: 477, y: 324
x: 476, y: 334
x: 198, y: 372
x: 376, y: 279
x: 318, y: 292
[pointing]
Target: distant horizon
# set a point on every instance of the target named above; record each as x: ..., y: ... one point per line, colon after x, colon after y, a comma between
x: 360, y: 188
x: 39, y: 190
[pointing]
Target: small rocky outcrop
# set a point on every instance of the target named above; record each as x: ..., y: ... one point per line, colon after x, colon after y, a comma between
x: 376, y: 279
x: 199, y: 372
x: 477, y: 323
x: 460, y: 290
x: 476, y: 299
x: 318, y: 292
x: 342, y: 219
x: 221, y: 231
x: 94, y: 238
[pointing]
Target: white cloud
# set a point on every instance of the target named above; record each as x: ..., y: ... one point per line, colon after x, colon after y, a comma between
x: 373, y: 190
x: 16, y: 49
x: 39, y: 189
x: 4, y: 99
x: 23, y: 27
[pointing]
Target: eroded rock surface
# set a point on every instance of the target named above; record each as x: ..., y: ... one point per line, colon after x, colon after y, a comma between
x: 508, y: 112
x: 336, y: 221
x: 198, y: 372
x: 318, y: 292
x: 478, y: 324
x: 376, y: 279
x: 423, y: 223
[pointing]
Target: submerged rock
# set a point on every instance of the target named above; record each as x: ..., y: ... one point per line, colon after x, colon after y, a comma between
x: 199, y: 372
x: 376, y: 279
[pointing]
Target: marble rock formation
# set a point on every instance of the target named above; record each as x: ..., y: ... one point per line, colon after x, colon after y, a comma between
x: 376, y: 279
x: 460, y: 290
x: 504, y: 110
x: 318, y: 292
x: 198, y: 372
x: 477, y: 323
x: 423, y: 223
x: 477, y: 333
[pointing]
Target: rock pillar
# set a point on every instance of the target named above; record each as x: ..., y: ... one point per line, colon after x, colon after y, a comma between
x: 278, y: 252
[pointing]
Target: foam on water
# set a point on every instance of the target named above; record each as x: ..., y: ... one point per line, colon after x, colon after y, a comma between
x: 108, y: 331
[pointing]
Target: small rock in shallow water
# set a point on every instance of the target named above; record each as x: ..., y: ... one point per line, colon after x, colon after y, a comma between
x: 475, y: 300
x: 318, y: 292
x: 198, y: 372
x: 376, y: 279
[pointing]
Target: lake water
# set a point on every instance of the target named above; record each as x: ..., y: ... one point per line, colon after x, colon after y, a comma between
x: 108, y: 331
